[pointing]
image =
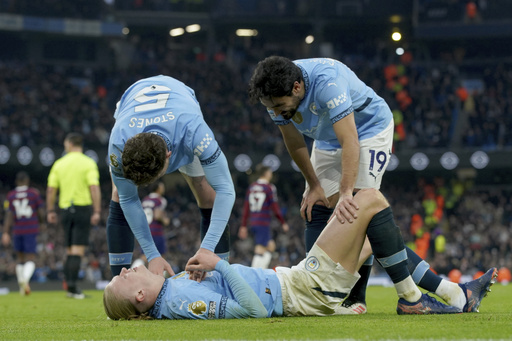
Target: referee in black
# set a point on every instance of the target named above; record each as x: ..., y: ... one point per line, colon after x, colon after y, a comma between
x: 75, y: 177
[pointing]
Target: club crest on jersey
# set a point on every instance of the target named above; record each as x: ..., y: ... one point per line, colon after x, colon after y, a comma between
x: 113, y: 160
x: 313, y: 109
x: 297, y: 118
x: 201, y: 147
x: 197, y: 307
x: 312, y: 263
x: 336, y: 101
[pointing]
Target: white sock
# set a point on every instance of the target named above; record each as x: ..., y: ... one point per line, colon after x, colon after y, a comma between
x: 19, y: 273
x: 451, y: 293
x: 408, y: 290
x: 28, y: 270
x: 261, y: 261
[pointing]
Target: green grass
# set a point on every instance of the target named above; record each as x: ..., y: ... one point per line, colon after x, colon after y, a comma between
x: 50, y: 315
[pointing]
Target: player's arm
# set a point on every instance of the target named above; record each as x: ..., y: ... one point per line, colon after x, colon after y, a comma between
x: 8, y: 223
x: 247, y: 302
x: 242, y: 231
x: 346, y: 132
x: 219, y: 177
x: 135, y: 216
x: 298, y: 150
x: 51, y: 196
x: 96, y: 203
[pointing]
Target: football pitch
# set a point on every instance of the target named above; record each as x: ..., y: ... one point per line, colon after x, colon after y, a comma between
x: 50, y: 315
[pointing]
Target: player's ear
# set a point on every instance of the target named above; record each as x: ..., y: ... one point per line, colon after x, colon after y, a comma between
x: 168, y: 154
x: 140, y: 296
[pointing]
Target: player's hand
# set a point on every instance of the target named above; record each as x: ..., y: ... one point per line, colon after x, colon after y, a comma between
x: 315, y: 195
x: 285, y: 227
x: 158, y: 265
x: 95, y: 218
x: 204, y: 260
x: 6, y: 239
x: 242, y: 232
x: 51, y: 217
x: 346, y: 209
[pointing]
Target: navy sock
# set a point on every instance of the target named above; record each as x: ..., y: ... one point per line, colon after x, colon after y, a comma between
x: 222, y: 248
x: 388, y: 245
x: 358, y: 292
x: 120, y: 240
x: 319, y: 217
x: 421, y: 273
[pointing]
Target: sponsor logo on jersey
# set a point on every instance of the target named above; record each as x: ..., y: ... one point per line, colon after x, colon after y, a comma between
x: 212, y: 308
x: 201, y: 147
x: 267, y: 291
x: 337, y: 101
x: 197, y: 307
x: 297, y: 118
x: 312, y: 263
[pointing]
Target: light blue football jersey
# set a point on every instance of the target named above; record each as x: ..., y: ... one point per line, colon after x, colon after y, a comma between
x: 215, y: 298
x: 167, y: 107
x: 333, y: 91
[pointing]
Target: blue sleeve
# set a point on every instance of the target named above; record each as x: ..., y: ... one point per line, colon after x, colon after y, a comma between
x: 218, y: 176
x: 249, y: 304
x: 134, y: 214
x: 335, y: 95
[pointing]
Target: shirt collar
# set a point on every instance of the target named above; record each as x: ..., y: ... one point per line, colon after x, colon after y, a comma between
x: 157, y: 307
x: 306, y: 79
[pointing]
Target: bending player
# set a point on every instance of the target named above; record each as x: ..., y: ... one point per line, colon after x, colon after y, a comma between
x: 160, y: 129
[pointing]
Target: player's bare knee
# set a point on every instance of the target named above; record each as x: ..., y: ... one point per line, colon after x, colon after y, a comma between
x: 371, y: 199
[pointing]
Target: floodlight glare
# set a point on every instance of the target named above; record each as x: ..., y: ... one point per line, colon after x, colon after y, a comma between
x: 193, y: 28
x: 176, y: 32
x: 396, y: 36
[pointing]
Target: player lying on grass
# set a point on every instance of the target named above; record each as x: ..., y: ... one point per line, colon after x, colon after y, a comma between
x: 316, y: 286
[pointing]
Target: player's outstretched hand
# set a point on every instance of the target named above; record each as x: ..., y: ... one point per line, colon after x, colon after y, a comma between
x: 158, y: 265
x: 204, y: 260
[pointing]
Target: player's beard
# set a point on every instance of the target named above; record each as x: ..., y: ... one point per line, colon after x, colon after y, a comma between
x: 290, y: 113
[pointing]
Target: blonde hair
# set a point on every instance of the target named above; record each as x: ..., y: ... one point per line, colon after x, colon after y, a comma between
x: 118, y: 308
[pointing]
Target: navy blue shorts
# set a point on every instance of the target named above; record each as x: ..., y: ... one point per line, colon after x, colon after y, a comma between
x: 261, y: 234
x: 25, y: 243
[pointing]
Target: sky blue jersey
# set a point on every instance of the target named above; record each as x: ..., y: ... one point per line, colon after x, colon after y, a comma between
x: 232, y: 291
x: 168, y: 108
x: 333, y: 91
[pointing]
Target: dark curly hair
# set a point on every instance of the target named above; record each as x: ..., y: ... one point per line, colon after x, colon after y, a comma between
x: 144, y: 158
x: 273, y: 77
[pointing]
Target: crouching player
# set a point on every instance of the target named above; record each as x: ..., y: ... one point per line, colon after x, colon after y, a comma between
x: 316, y: 286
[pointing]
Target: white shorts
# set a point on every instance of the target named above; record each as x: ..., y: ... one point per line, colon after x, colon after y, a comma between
x: 316, y: 286
x: 193, y: 169
x: 374, y: 157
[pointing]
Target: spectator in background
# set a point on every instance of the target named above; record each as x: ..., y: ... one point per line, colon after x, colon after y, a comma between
x: 76, y: 177
x: 154, y: 206
x: 260, y: 201
x: 24, y: 215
